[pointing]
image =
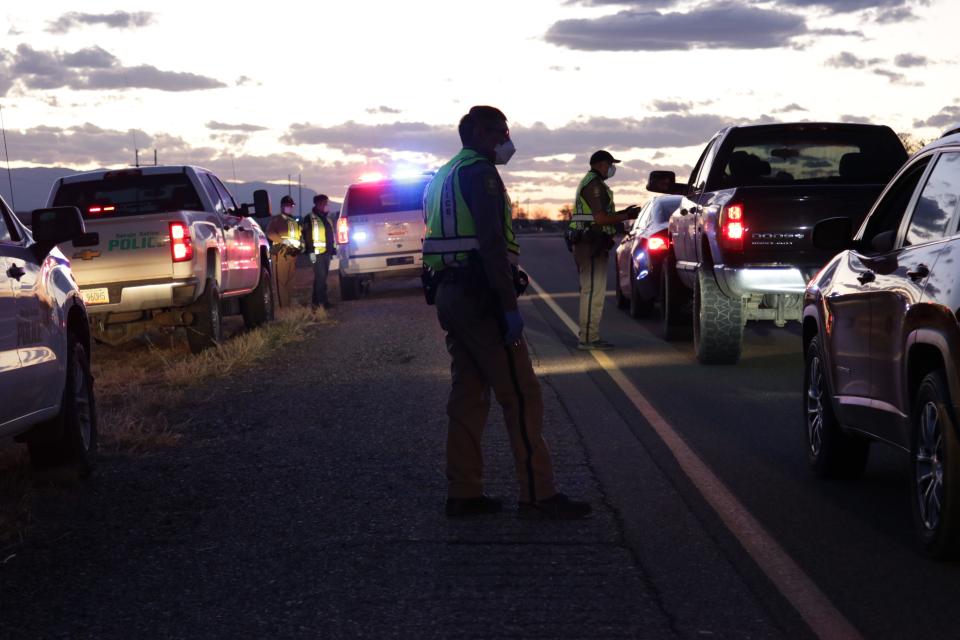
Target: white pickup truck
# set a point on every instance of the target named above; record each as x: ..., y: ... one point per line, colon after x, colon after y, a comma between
x: 166, y: 246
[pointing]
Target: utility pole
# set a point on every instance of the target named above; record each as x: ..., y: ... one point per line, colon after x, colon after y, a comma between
x: 300, y: 194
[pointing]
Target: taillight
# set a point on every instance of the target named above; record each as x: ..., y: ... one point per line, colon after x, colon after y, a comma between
x: 732, y: 227
x: 181, y: 247
x: 343, y: 230
x: 98, y: 209
x: 655, y: 244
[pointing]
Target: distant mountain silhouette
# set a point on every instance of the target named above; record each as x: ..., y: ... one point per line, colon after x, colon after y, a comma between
x: 31, y: 188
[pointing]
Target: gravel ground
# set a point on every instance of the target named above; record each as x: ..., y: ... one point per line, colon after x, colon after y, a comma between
x: 305, y: 499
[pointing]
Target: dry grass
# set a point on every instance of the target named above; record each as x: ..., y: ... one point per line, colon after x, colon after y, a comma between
x: 137, y: 384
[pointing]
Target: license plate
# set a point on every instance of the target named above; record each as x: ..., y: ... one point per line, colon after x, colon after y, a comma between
x: 396, y: 230
x: 95, y: 296
x: 394, y: 262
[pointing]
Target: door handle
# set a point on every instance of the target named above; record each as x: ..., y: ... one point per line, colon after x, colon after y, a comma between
x: 867, y: 276
x: 16, y: 272
x: 919, y: 273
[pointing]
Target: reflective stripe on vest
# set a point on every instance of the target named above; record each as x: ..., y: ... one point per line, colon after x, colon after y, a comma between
x: 582, y: 213
x: 293, y: 231
x: 451, y: 232
x: 318, y: 233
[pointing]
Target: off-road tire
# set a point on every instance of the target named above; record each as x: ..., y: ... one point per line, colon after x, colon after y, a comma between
x: 717, y: 322
x: 206, y: 331
x: 938, y: 475
x: 70, y: 438
x: 351, y: 288
x: 831, y: 453
x: 637, y: 306
x: 674, y: 303
x: 257, y: 306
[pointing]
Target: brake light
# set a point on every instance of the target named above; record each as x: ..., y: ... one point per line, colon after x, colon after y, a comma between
x: 107, y: 209
x: 732, y: 229
x: 657, y: 243
x: 181, y: 247
x: 343, y: 230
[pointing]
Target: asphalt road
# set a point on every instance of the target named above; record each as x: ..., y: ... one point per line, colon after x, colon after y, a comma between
x: 854, y: 540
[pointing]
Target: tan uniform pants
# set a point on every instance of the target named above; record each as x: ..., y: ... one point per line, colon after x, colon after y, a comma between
x: 481, y: 362
x: 593, y: 288
x: 285, y: 265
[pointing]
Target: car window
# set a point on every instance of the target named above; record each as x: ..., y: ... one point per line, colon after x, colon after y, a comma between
x: 225, y: 196
x: 664, y: 209
x: 211, y: 188
x: 889, y: 212
x: 695, y: 174
x: 937, y: 203
x: 129, y: 193
x: 384, y: 197
x: 643, y: 218
x: 5, y: 224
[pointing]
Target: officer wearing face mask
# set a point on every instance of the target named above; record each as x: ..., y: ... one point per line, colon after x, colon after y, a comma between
x: 591, y: 232
x: 283, y: 231
x: 470, y: 244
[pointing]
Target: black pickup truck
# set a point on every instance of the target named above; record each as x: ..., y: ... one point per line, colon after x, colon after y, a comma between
x: 741, y: 246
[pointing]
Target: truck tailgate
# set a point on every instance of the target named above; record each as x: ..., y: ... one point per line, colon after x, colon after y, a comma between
x: 779, y: 220
x: 130, y: 249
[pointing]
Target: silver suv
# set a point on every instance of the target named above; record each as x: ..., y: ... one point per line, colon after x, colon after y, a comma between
x: 380, y: 231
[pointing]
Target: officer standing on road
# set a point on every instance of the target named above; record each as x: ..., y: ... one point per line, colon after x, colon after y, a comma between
x: 591, y: 232
x: 471, y: 248
x: 283, y: 231
x: 318, y: 244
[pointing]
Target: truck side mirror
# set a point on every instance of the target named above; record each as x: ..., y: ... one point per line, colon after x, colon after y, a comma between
x: 53, y: 226
x: 833, y: 234
x: 261, y: 203
x: 662, y: 182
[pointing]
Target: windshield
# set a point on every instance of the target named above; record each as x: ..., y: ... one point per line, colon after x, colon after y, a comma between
x: 809, y: 155
x: 384, y: 197
x: 130, y: 195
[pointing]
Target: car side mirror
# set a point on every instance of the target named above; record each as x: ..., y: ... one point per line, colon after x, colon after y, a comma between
x: 833, y: 234
x: 261, y: 203
x: 662, y: 182
x: 53, y: 226
x: 883, y: 242
x: 246, y: 210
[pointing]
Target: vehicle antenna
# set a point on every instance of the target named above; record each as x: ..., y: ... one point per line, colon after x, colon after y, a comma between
x: 136, y: 151
x: 154, y: 157
x: 234, y: 165
x: 13, y: 202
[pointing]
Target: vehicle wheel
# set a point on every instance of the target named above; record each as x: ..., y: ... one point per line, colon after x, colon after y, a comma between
x: 350, y: 287
x: 830, y: 452
x: 717, y: 323
x: 935, y: 475
x: 639, y: 308
x: 71, y: 437
x: 622, y: 300
x: 206, y: 330
x: 674, y: 302
x: 257, y: 306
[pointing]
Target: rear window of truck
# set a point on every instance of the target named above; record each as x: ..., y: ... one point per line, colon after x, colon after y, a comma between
x: 844, y: 156
x: 384, y: 197
x: 130, y: 195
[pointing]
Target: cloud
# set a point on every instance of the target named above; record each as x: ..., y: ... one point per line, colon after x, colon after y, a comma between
x: 115, y: 20
x: 641, y: 4
x: 949, y: 115
x: 855, y: 119
x: 384, y: 109
x: 906, y: 60
x: 213, y: 125
x: 672, y: 105
x: 793, y: 106
x: 845, y: 6
x: 847, y: 60
x: 895, y: 15
x: 897, y: 78
x: 91, y: 68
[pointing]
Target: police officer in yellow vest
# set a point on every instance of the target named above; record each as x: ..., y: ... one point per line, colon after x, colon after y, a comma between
x: 591, y: 233
x: 318, y: 244
x: 470, y: 244
x: 283, y: 231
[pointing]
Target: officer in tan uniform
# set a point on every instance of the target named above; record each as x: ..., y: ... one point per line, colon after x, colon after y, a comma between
x: 283, y: 231
x: 591, y: 233
x: 470, y: 248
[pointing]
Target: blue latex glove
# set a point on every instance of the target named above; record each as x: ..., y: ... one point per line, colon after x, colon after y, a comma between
x: 514, y: 327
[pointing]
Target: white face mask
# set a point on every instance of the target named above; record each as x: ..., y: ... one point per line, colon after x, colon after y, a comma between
x: 503, y: 152
x: 287, y: 210
x: 612, y: 170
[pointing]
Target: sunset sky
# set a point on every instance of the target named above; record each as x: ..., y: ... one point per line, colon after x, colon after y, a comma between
x: 336, y: 89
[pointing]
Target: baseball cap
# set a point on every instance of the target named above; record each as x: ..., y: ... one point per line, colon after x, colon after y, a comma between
x: 602, y: 156
x: 286, y: 200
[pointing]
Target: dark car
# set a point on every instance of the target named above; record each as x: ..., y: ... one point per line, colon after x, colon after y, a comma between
x: 640, y: 256
x: 882, y: 341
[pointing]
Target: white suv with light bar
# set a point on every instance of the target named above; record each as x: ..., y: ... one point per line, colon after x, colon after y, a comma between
x: 166, y: 246
x: 380, y: 231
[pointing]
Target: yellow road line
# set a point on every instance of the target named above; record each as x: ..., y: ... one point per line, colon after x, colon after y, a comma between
x: 824, y: 619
